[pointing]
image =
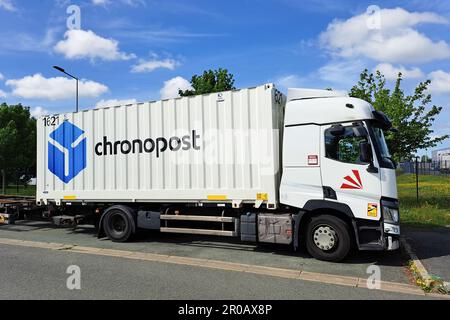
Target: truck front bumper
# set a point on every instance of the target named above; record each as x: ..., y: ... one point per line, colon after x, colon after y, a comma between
x: 392, y: 235
x: 377, y: 235
x: 392, y: 243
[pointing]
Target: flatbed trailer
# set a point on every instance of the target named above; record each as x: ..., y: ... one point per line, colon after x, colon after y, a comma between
x: 13, y: 208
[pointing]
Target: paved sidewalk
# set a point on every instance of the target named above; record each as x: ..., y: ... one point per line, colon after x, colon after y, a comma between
x: 432, y: 247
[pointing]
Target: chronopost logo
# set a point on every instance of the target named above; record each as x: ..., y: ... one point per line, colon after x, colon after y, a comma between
x: 67, y: 151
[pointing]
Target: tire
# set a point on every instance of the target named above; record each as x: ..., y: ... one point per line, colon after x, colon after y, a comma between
x: 328, y: 238
x: 117, y: 224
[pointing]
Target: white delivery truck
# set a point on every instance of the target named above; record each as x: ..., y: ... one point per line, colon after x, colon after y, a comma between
x: 311, y: 168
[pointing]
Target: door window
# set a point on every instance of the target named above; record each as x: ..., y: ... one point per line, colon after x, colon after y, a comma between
x: 343, y: 147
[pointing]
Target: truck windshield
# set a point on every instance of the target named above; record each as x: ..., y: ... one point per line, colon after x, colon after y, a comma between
x: 381, y: 147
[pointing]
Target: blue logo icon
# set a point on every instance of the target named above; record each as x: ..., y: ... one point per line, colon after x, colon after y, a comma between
x: 67, y: 151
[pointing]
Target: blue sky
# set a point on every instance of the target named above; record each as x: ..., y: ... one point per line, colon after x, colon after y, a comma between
x: 140, y: 50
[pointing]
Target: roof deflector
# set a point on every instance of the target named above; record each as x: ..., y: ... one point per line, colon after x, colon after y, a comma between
x: 300, y: 93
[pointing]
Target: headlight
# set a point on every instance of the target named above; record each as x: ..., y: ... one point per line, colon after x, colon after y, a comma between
x: 390, y: 215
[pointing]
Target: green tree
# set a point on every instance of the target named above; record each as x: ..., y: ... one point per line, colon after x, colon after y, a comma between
x: 425, y: 158
x: 413, y: 115
x: 17, y: 143
x: 209, y: 82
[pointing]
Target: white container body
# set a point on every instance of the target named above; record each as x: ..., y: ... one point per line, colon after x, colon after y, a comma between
x: 222, y: 147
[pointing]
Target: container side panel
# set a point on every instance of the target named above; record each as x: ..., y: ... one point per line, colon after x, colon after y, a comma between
x: 213, y: 147
x: 182, y: 157
x: 135, y: 154
x: 227, y: 119
x: 198, y: 123
x: 144, y: 164
x: 99, y: 163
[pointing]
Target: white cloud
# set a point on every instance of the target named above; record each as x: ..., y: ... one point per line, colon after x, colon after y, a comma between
x: 114, y: 103
x: 344, y: 73
x: 394, y: 41
x: 7, y: 5
x: 391, y: 73
x: 440, y: 82
x: 79, y: 44
x: 27, y: 41
x: 289, y: 81
x: 39, y: 112
x: 132, y: 3
x: 39, y: 87
x: 165, y: 36
x: 2, y: 94
x: 2, y: 77
x: 338, y: 74
x: 100, y: 2
x: 151, y: 65
x: 49, y: 38
x: 171, y: 87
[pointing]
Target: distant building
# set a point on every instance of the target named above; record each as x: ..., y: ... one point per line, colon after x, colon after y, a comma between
x: 435, y: 154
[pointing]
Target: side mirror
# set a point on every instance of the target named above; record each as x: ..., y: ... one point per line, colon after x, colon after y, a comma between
x: 365, y: 151
x: 337, y: 130
x: 366, y: 156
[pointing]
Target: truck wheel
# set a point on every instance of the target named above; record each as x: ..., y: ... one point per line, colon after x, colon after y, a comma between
x: 117, y: 225
x: 328, y: 238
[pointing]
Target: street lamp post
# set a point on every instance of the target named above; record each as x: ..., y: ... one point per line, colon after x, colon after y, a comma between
x: 73, y: 77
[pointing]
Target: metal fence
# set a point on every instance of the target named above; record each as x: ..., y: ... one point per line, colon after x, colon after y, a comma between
x: 433, y: 167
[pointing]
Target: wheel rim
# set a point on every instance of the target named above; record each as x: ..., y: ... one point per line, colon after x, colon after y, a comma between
x: 325, y: 237
x: 118, y: 224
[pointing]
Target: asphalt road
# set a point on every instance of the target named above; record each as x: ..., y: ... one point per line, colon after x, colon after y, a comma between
x: 432, y: 247
x: 35, y: 273
x: 392, y: 264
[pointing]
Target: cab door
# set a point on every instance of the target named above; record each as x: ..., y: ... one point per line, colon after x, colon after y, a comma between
x: 355, y: 183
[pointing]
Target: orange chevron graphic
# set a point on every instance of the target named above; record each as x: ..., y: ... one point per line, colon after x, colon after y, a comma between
x: 352, y: 183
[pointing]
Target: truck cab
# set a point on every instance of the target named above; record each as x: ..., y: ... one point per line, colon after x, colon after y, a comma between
x: 338, y: 170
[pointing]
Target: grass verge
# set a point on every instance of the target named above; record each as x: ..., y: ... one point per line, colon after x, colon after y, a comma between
x: 432, y: 284
x: 433, y: 207
x: 12, y: 190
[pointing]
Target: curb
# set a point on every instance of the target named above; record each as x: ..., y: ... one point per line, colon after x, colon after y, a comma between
x: 447, y: 286
x: 354, y: 282
x: 420, y: 273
